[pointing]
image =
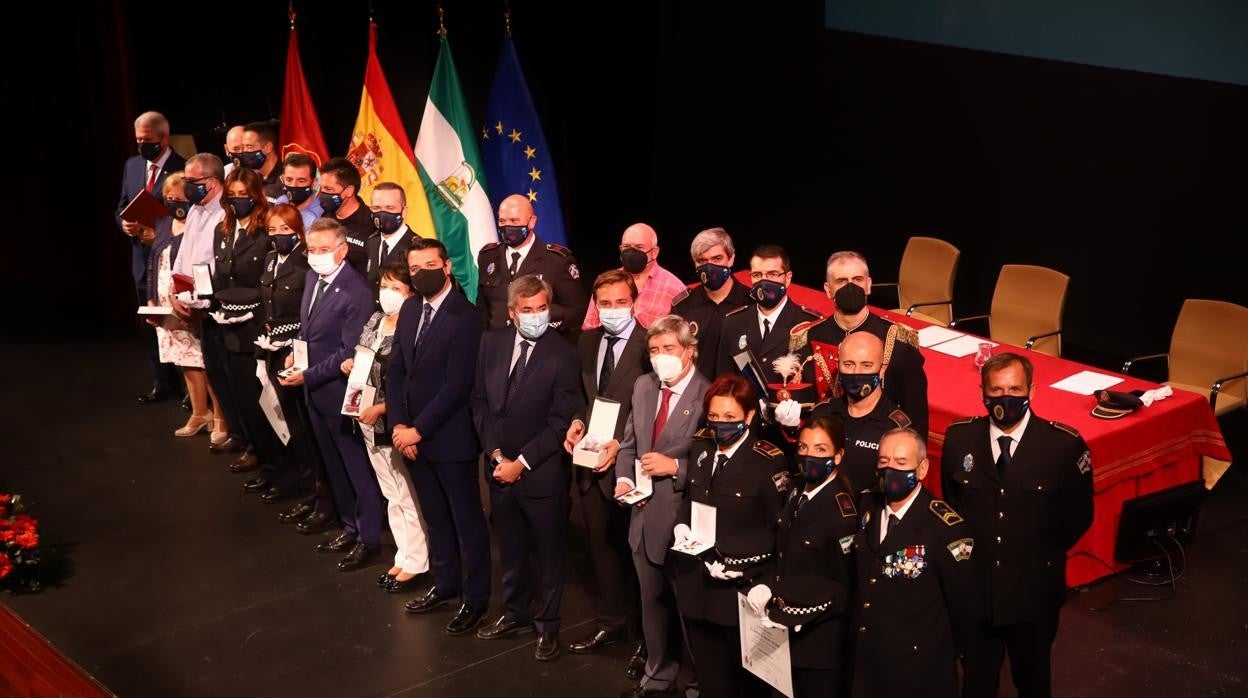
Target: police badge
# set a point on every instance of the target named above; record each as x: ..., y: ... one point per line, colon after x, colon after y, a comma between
x: 968, y: 463
x: 489, y: 270
x: 741, y: 343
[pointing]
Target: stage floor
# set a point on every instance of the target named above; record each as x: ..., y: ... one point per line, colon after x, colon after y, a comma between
x: 186, y: 586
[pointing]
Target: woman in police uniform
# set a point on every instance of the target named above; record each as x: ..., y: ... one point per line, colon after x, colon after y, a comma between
x: 744, y: 479
x: 808, y: 585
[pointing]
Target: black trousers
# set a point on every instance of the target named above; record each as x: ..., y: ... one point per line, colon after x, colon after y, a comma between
x: 1029, y: 646
x: 307, y: 477
x: 246, y: 392
x: 817, y: 683
x: 717, y: 662
x: 615, y: 580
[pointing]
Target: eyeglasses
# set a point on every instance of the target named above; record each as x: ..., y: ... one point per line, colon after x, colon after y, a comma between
x: 770, y: 276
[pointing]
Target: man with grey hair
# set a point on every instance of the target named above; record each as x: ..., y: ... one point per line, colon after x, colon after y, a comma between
x: 526, y: 390
x: 705, y: 306
x: 656, y: 286
x: 146, y: 172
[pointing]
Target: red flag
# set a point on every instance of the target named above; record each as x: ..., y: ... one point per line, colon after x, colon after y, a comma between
x: 301, y: 132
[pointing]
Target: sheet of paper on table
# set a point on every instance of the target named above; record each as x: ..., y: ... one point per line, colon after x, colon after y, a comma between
x: 935, y: 334
x: 962, y: 346
x: 601, y: 429
x: 1086, y: 382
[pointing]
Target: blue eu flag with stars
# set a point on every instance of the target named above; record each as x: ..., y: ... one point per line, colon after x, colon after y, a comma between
x: 513, y: 147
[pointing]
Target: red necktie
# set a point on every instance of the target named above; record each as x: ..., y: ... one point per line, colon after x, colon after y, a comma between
x: 660, y: 419
x: 151, y: 178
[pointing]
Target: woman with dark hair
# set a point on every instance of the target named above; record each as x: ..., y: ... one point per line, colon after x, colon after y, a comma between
x: 743, y: 479
x: 808, y: 585
x: 403, y: 512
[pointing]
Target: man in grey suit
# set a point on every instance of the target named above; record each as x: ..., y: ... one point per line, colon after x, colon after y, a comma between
x: 666, y: 411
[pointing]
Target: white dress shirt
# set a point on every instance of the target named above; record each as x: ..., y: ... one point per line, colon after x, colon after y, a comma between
x: 900, y: 513
x: 775, y: 313
x: 994, y: 433
x: 523, y: 250
x: 436, y: 302
x: 677, y: 390
x: 201, y: 223
x: 730, y: 451
x: 616, y: 350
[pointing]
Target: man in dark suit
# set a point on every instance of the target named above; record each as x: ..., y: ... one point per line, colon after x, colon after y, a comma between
x: 521, y: 252
x: 523, y: 399
x: 1024, y: 485
x: 146, y: 172
x: 391, y: 237
x: 432, y: 368
x: 612, y: 357
x: 336, y: 304
x: 678, y: 386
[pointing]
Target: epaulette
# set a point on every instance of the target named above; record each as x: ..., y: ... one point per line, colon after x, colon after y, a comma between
x: 489, y: 247
x: 558, y: 249
x: 813, y: 313
x: 766, y: 448
x: 904, y: 333
x: 734, y: 312
x: 704, y: 433
x: 945, y: 513
x: 1068, y: 429
x: 798, y: 334
x: 962, y: 420
x: 899, y: 418
x: 680, y: 297
x: 846, y: 504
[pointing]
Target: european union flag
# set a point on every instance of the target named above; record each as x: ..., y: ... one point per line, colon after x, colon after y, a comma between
x: 513, y: 147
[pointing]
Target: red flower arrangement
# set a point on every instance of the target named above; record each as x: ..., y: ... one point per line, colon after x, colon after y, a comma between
x: 19, y: 546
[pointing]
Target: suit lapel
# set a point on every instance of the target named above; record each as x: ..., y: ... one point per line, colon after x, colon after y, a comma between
x: 684, y: 411
x: 982, y: 452
x: 629, y: 357
x: 435, y: 323
x: 309, y: 288
x: 589, y: 361
x: 779, y: 336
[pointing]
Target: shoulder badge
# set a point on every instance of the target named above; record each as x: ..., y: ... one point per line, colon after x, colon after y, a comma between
x: 1068, y: 429
x: 490, y: 247
x: 559, y: 250
x: 701, y: 457
x: 945, y: 513
x: 734, y: 312
x: 847, y: 544
x: 680, y: 298
x: 489, y: 271
x: 766, y: 448
x: 846, y: 505
x: 574, y: 272
x: 781, y: 480
x: 704, y: 433
x: 1085, y: 463
x: 961, y: 549
x: 799, y: 334
x: 899, y: 418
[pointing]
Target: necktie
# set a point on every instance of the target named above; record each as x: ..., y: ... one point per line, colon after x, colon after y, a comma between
x: 660, y: 419
x: 151, y: 178
x: 515, y: 264
x: 385, y: 250
x: 766, y: 328
x: 425, y: 316
x: 320, y: 290
x: 1003, y: 460
x: 893, y: 521
x: 608, y: 364
x: 517, y: 373
x: 801, y: 502
x: 721, y: 461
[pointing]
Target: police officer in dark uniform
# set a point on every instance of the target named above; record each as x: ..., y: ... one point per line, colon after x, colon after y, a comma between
x: 809, y: 585
x: 744, y: 478
x: 864, y: 409
x: 1025, y: 487
x: 340, y: 200
x: 391, y: 237
x: 905, y: 381
x: 522, y: 252
x: 261, y: 154
x: 917, y: 598
x: 705, y: 306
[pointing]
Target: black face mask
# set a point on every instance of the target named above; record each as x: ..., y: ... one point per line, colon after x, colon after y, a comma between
x: 726, y: 432
x: 1006, y: 410
x: 387, y: 222
x: 714, y: 276
x: 249, y: 159
x: 815, y: 470
x: 284, y: 244
x: 633, y: 260
x: 768, y: 293
x: 428, y: 282
x: 330, y: 203
x: 513, y: 235
x: 195, y: 192
x: 850, y: 299
x: 242, y: 206
x: 858, y: 386
x: 178, y: 209
x: 151, y: 151
x: 298, y: 195
x: 897, y: 484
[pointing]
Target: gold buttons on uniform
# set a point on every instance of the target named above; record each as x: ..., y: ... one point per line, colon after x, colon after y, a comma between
x: 998, y: 563
x: 1002, y: 490
x: 871, y: 580
x: 998, y: 539
x: 866, y: 604
x: 862, y: 628
x: 1000, y: 514
x: 916, y: 649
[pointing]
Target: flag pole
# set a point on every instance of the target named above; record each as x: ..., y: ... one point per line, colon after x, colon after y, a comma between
x: 290, y: 12
x: 441, y: 21
x: 507, y: 18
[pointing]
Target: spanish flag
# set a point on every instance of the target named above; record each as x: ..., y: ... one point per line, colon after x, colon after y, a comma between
x: 380, y: 148
x: 301, y: 132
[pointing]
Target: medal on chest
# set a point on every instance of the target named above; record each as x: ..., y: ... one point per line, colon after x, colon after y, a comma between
x: 907, y: 563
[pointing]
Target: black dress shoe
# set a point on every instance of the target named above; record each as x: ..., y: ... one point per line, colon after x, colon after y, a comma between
x: 361, y: 555
x: 256, y: 484
x: 296, y: 513
x: 503, y: 628
x: 385, y: 578
x: 429, y: 600
x: 230, y: 445
x: 465, y: 621
x: 155, y: 396
x: 597, y: 641
x: 547, y: 647
x: 338, y: 544
x: 274, y: 495
x: 245, y: 463
x: 637, y: 662
x: 394, y: 586
x: 316, y: 522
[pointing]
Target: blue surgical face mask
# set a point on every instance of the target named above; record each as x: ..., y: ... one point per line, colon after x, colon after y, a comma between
x: 284, y: 244
x: 387, y: 222
x: 1006, y: 410
x: 330, y: 203
x: 614, y: 320
x: 533, y: 325
x: 897, y: 484
x: 249, y: 159
x: 241, y: 206
x: 714, y: 276
x: 726, y: 432
x: 768, y: 293
x: 858, y: 386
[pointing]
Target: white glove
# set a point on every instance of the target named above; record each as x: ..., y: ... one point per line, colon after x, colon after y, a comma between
x: 789, y: 413
x: 185, y: 298
x: 223, y: 320
x: 769, y: 623
x: 716, y: 570
x: 681, y: 534
x: 263, y: 342
x: 278, y: 345
x: 758, y: 598
x: 1151, y: 396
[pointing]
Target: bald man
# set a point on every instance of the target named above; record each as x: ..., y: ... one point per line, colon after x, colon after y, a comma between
x: 656, y: 286
x: 861, y: 406
x: 520, y: 252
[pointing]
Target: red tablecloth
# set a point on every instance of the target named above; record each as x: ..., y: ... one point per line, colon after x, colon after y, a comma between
x: 1154, y: 448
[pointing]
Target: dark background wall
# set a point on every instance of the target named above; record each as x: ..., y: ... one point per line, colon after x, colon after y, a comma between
x: 685, y: 115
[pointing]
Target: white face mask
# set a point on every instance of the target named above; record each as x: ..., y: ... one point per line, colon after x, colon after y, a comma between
x: 322, y: 263
x: 666, y: 366
x: 391, y: 300
x: 614, y: 320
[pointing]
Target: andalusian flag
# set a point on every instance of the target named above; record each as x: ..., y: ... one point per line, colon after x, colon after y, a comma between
x: 379, y: 145
x: 450, y: 169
